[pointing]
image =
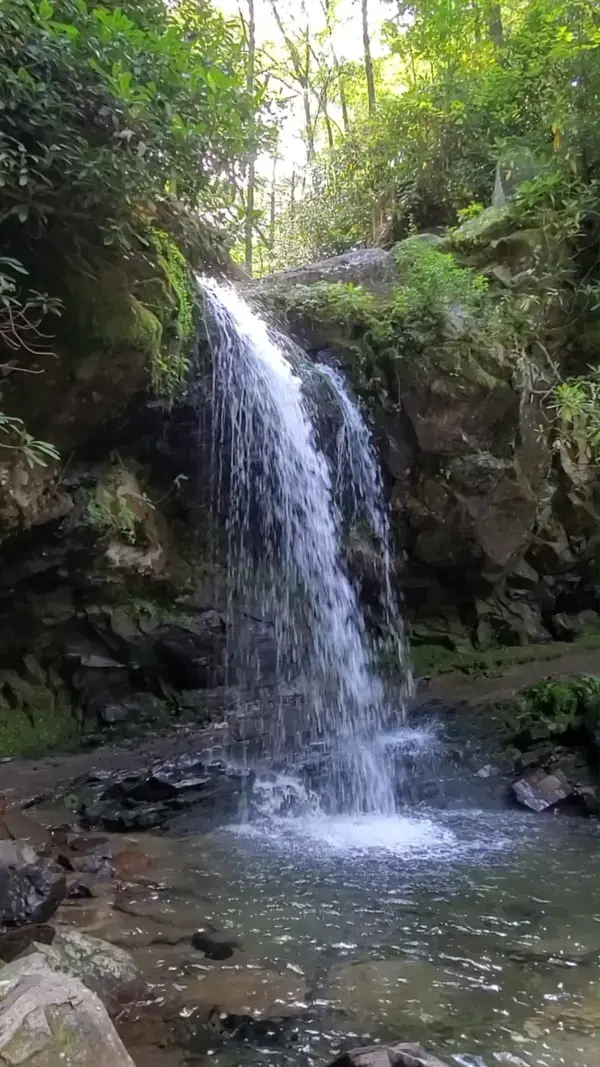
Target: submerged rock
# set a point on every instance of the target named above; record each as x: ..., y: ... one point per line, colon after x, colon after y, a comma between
x: 402, y: 1055
x: 214, y: 944
x: 539, y: 790
x: 253, y: 993
x: 30, y: 891
x: 49, y: 1019
x: 368, y: 989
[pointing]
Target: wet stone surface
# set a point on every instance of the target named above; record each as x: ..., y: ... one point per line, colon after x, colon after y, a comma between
x: 121, y: 802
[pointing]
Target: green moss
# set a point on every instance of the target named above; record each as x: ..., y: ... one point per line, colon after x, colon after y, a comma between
x: 433, y: 659
x: 176, y: 309
x: 438, y: 320
x: 433, y: 280
x: 553, y: 708
x: 117, y: 505
x: 482, y: 228
x: 102, y: 313
x: 48, y: 724
x: 146, y: 303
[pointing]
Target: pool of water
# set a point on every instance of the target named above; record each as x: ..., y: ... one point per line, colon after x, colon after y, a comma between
x: 471, y: 931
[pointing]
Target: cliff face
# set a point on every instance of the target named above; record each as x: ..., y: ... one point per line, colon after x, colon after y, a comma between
x: 113, y: 613
x: 493, y: 506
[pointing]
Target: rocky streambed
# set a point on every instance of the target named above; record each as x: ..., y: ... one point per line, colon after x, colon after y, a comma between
x: 135, y: 887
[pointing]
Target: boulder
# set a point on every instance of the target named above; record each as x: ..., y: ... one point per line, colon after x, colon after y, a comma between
x: 193, y: 656
x: 401, y: 1055
x: 49, y: 1019
x: 153, y: 797
x: 107, y: 970
x: 30, y: 891
x: 539, y: 790
x: 373, y: 268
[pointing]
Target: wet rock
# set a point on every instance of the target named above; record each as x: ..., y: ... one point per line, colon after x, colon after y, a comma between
x: 53, y: 1020
x: 391, y: 990
x: 100, y: 863
x: 80, y: 889
x: 402, y: 1055
x: 107, y: 970
x: 588, y: 797
x: 19, y: 827
x: 161, y: 904
x: 539, y: 790
x: 150, y: 1030
x: 253, y: 992
x: 373, y: 268
x: 125, y: 802
x: 214, y: 944
x: 193, y: 656
x: 89, y: 843
x: 30, y: 891
x: 131, y: 862
x: 580, y: 1014
x: 14, y: 943
x: 130, y: 932
x: 245, y: 1028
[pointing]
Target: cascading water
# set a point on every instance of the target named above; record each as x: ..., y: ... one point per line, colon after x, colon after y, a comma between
x: 285, y: 504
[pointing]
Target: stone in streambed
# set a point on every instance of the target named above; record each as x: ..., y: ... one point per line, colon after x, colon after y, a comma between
x: 391, y: 989
x: 131, y: 862
x: 155, y: 796
x: 252, y: 992
x: 401, y: 1055
x: 13, y: 943
x: 30, y: 891
x: 49, y: 1019
x: 214, y: 944
x: 539, y: 790
x: 18, y: 827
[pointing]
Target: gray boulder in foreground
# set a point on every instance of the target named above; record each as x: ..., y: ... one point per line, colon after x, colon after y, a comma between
x: 107, y: 970
x: 52, y: 1020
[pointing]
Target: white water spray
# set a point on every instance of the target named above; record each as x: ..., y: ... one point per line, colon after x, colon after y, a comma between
x: 285, y: 530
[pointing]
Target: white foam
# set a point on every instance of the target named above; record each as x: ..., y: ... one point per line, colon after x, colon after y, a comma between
x: 396, y: 834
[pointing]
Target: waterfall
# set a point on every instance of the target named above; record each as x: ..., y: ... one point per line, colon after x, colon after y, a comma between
x: 286, y: 502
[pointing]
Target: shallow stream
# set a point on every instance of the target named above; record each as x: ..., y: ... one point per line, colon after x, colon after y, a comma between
x: 470, y: 931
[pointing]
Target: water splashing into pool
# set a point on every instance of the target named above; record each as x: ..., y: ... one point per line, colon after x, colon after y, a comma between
x: 289, y: 508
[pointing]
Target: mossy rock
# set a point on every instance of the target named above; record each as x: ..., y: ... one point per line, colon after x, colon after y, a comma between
x: 47, y: 724
x: 552, y: 709
x: 489, y: 225
x: 104, y: 314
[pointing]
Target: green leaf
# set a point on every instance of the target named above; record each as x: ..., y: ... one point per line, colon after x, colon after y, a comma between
x: 46, y: 10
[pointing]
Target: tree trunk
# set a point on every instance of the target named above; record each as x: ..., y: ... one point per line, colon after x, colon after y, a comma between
x: 368, y: 57
x: 272, y: 212
x: 250, y: 173
x: 495, y: 28
x: 337, y: 68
